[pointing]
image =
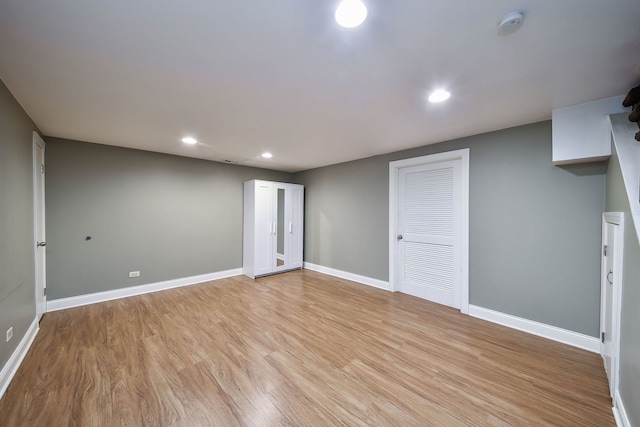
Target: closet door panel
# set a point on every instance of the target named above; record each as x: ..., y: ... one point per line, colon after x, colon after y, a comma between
x: 264, y: 232
x: 295, y: 226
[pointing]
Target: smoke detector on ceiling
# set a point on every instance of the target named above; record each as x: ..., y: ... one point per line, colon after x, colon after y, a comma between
x: 511, y: 22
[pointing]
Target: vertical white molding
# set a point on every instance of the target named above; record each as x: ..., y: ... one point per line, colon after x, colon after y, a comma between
x: 616, y: 218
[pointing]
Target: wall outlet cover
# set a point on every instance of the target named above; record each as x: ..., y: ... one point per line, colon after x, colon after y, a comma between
x: 134, y: 274
x: 9, y: 334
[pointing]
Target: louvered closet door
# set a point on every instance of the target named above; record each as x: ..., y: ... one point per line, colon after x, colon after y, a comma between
x: 429, y: 224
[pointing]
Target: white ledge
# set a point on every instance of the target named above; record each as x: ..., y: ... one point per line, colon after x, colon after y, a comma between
x: 628, y: 150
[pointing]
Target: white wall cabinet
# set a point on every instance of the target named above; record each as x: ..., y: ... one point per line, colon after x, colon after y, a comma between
x: 582, y: 133
x: 273, y: 227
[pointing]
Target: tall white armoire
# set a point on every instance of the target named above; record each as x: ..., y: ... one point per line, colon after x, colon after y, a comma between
x: 273, y: 227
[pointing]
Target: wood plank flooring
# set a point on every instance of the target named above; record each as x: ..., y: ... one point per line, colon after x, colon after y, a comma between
x: 296, y: 349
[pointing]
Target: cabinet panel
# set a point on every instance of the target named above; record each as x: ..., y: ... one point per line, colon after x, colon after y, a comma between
x: 296, y: 227
x: 582, y: 133
x: 264, y: 231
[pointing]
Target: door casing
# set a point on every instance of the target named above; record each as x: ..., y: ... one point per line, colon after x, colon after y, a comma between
x: 394, y: 171
x: 39, y: 225
x: 617, y: 220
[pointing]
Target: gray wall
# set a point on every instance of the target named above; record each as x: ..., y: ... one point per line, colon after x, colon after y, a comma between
x: 17, y: 275
x: 534, y: 228
x: 168, y: 217
x: 617, y: 201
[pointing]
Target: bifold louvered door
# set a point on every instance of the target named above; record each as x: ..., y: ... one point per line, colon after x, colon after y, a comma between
x: 429, y: 232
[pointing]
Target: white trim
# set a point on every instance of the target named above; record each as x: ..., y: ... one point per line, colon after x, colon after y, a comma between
x: 64, y: 303
x: 10, y: 369
x: 615, y: 218
x: 620, y: 413
x: 376, y: 283
x: 40, y: 296
x: 554, y: 333
x: 394, y: 167
x: 628, y: 151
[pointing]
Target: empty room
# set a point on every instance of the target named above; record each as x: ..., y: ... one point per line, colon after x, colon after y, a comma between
x: 318, y: 213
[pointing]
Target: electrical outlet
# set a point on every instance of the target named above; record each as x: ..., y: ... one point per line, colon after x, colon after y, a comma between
x: 134, y: 274
x: 9, y: 334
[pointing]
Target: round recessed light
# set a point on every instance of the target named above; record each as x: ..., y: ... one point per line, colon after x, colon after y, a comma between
x: 439, y: 95
x: 189, y: 140
x: 351, y: 13
x: 267, y: 155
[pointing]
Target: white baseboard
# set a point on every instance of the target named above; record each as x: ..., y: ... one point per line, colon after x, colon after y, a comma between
x: 620, y: 413
x: 376, y: 283
x: 554, y: 333
x: 10, y: 369
x: 64, y: 303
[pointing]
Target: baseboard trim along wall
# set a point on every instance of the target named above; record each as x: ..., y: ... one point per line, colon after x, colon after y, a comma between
x: 10, y: 369
x: 376, y: 283
x: 620, y: 413
x: 554, y: 333
x: 77, y: 301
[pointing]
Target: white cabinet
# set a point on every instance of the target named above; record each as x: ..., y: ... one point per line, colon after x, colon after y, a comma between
x: 273, y: 227
x: 582, y: 133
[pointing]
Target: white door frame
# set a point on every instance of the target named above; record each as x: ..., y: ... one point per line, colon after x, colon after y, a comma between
x: 39, y: 253
x: 615, y: 218
x: 394, y: 170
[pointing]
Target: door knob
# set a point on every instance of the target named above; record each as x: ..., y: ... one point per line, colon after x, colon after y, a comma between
x: 399, y: 236
x: 41, y: 244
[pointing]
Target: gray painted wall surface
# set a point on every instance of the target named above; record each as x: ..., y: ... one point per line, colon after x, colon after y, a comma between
x: 17, y: 275
x: 167, y: 216
x: 617, y: 201
x: 534, y: 228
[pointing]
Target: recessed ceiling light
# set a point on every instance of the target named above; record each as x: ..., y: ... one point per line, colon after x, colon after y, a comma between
x: 189, y: 140
x: 267, y: 155
x: 439, y: 95
x: 351, y: 13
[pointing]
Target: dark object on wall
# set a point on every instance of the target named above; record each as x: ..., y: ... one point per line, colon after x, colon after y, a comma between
x: 633, y: 100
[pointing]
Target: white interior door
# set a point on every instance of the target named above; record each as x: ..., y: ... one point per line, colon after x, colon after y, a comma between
x: 39, y: 224
x: 607, y: 327
x: 429, y: 232
x: 610, y: 296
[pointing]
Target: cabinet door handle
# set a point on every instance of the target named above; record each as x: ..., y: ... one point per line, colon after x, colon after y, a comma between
x: 290, y: 227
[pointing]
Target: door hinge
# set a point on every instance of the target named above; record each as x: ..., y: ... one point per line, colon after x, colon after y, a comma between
x: 603, y: 337
x: 41, y: 168
x: 604, y: 250
x: 44, y: 292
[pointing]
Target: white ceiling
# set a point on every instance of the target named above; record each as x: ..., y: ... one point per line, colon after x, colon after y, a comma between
x: 251, y: 76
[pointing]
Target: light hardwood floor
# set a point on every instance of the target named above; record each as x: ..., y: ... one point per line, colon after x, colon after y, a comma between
x: 296, y: 349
